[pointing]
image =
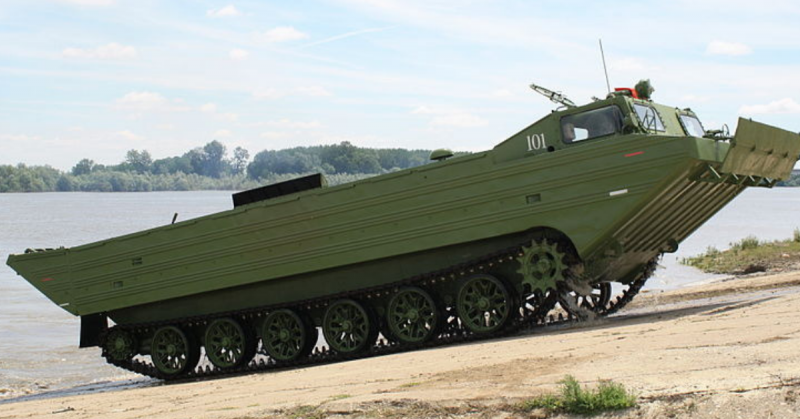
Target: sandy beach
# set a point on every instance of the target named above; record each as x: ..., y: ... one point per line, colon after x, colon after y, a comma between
x: 724, y: 349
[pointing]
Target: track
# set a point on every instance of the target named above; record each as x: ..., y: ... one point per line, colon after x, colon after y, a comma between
x: 530, y: 318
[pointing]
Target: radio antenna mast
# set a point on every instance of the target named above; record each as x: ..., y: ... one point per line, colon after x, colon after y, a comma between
x: 605, y: 70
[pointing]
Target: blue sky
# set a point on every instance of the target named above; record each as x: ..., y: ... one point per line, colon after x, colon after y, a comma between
x: 95, y: 78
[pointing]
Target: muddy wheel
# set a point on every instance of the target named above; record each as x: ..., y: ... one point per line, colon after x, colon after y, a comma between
x: 227, y: 343
x: 120, y: 345
x: 484, y: 304
x: 173, y: 351
x: 286, y: 337
x: 537, y: 305
x: 595, y: 302
x: 412, y: 316
x: 348, y: 327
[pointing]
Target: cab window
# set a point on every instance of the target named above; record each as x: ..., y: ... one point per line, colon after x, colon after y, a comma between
x: 692, y: 125
x: 648, y: 117
x: 591, y: 124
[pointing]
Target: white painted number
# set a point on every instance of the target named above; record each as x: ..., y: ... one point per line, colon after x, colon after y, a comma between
x: 536, y: 142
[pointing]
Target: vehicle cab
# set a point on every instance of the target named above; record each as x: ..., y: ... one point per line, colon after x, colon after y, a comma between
x: 622, y: 112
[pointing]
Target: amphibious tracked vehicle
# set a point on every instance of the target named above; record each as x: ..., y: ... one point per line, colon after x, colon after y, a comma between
x: 463, y: 247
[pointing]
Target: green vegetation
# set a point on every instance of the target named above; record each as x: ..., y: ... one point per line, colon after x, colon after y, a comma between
x: 209, y: 168
x: 304, y: 412
x: 748, y: 255
x: 576, y: 399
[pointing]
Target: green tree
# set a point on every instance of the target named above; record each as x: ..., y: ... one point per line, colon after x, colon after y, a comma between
x: 84, y: 167
x: 214, y: 159
x: 240, y: 158
x: 65, y: 184
x: 139, y: 161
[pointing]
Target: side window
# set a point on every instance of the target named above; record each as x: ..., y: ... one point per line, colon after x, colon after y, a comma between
x: 692, y: 126
x: 649, y: 118
x: 591, y: 124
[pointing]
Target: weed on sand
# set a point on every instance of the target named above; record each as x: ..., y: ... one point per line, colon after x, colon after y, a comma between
x: 576, y: 399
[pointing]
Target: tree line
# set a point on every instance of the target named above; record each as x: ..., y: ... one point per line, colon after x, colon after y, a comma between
x: 211, y: 168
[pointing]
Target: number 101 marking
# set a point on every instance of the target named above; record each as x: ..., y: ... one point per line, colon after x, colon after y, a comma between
x: 536, y: 142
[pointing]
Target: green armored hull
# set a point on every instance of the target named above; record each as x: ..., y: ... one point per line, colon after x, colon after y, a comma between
x: 545, y: 221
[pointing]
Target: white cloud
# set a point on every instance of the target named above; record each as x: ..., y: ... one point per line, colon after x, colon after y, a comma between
x: 149, y: 102
x: 281, y: 34
x: 502, y: 93
x: 18, y: 138
x: 315, y: 91
x: 451, y: 118
x: 267, y: 93
x: 347, y: 35
x: 112, y: 51
x: 627, y: 64
x: 229, y: 116
x: 227, y: 11
x: 423, y: 110
x: 459, y: 120
x: 238, y: 54
x: 782, y: 106
x: 222, y: 133
x: 145, y: 99
x: 273, y: 135
x: 128, y: 135
x: 695, y: 98
x: 272, y: 93
x: 289, y: 124
x: 166, y: 127
x: 87, y: 2
x: 727, y: 48
x: 209, y: 107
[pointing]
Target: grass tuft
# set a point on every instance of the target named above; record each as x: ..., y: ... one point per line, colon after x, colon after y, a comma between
x: 576, y: 399
x: 304, y: 412
x: 747, y: 243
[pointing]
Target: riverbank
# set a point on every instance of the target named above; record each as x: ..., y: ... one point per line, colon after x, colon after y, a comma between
x: 725, y: 349
x: 750, y: 255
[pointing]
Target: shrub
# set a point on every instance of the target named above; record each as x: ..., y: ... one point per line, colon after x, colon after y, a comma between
x: 576, y: 399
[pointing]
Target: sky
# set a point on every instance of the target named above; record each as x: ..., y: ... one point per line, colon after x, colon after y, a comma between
x: 96, y: 78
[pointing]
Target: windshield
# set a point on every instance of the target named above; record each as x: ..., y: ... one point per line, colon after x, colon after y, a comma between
x: 591, y: 124
x: 649, y: 118
x: 692, y: 126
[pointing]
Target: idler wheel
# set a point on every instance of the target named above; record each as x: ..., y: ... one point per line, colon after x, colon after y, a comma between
x: 173, y: 351
x: 484, y: 304
x: 286, y: 337
x: 227, y: 343
x: 412, y: 316
x: 348, y: 327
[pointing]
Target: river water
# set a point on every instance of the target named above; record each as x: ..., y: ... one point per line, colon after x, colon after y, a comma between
x: 38, y: 341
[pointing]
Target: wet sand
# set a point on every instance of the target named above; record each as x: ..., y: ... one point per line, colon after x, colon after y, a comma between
x: 725, y: 349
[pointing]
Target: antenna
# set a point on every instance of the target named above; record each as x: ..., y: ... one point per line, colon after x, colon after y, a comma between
x: 603, y: 55
x: 556, y: 97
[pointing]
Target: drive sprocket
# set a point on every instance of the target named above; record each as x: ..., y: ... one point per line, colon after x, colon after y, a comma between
x: 542, y: 266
